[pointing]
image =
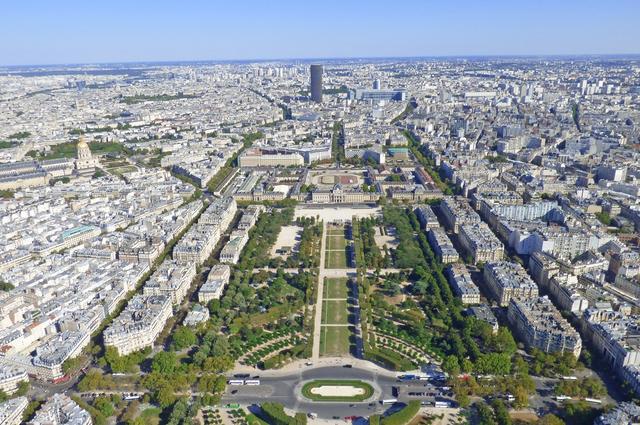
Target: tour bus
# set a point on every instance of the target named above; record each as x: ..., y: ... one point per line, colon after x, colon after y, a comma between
x: 569, y: 378
x: 440, y: 403
x: 562, y: 397
x: 235, y: 382
x: 252, y: 382
x: 593, y: 400
x: 389, y: 401
x: 131, y: 396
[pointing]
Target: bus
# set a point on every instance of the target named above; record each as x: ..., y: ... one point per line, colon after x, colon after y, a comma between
x: 569, y: 378
x: 439, y: 403
x: 389, y: 401
x: 593, y: 400
x: 562, y: 397
x: 131, y: 396
x: 235, y: 382
x: 252, y: 382
x: 407, y: 377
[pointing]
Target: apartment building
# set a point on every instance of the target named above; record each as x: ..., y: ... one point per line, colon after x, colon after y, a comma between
x: 11, y: 377
x: 232, y: 250
x: 427, y: 218
x: 442, y: 246
x: 11, y: 410
x: 217, y: 280
x: 61, y: 410
x: 456, y: 212
x: 540, y: 325
x: 480, y: 242
x: 460, y: 280
x: 171, y: 279
x: 139, y: 324
x: 506, y: 280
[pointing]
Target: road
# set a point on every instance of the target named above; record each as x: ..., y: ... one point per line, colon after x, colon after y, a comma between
x: 285, y: 389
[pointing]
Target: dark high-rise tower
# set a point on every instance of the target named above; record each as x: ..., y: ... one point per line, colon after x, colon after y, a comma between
x: 316, y: 83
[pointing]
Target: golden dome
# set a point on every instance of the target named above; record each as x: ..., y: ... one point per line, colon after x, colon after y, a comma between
x: 82, y: 143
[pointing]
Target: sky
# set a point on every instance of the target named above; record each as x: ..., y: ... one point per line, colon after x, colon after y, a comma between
x: 102, y: 31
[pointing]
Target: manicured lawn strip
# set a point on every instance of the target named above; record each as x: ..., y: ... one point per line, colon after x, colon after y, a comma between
x: 336, y: 242
x: 336, y: 260
x: 368, y: 390
x: 335, y: 312
x: 336, y: 288
x: 336, y: 340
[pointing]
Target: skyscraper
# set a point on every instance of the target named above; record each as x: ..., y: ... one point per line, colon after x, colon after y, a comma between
x: 316, y: 83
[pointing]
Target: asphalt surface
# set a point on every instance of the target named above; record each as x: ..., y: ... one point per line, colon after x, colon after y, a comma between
x: 285, y: 389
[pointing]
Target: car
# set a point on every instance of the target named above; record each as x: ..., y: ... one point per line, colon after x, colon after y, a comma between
x: 234, y: 391
x: 241, y: 375
x: 309, y: 363
x: 256, y: 377
x: 336, y: 417
x: 352, y: 405
x: 372, y: 404
x: 349, y: 366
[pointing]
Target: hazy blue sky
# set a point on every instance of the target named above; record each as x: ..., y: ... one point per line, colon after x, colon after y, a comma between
x: 61, y: 31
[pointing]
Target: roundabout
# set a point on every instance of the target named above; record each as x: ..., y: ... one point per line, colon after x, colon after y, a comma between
x: 337, y: 390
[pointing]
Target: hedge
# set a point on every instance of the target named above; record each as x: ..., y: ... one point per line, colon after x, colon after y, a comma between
x: 388, y: 358
x: 402, y: 417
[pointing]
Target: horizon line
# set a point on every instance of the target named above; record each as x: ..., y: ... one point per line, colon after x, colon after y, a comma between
x: 334, y: 58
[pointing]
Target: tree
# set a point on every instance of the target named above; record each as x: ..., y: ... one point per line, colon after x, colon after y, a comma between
x: 104, y: 406
x: 165, y: 396
x: 521, y: 397
x: 550, y: 419
x: 165, y: 362
x: 23, y: 388
x: 183, y: 337
x: 451, y: 366
x: 485, y: 414
x: 501, y: 412
x: 5, y: 286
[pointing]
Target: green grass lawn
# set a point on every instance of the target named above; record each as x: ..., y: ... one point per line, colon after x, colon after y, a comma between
x: 336, y: 288
x: 336, y: 259
x: 334, y: 312
x: 334, y: 340
x: 336, y: 242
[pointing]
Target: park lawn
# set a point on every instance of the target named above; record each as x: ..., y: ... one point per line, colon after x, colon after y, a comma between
x: 336, y: 242
x: 334, y: 340
x: 336, y: 259
x: 335, y: 312
x: 336, y: 288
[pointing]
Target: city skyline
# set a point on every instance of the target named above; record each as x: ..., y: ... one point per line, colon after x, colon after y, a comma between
x: 250, y: 30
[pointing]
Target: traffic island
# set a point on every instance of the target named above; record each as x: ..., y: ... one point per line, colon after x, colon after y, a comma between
x: 338, y: 390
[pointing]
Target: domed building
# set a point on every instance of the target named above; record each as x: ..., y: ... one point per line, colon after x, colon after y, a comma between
x: 85, y: 162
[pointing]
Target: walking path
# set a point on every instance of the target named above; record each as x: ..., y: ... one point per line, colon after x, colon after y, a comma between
x: 317, y: 326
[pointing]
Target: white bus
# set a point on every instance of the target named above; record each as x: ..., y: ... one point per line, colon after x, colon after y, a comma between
x: 389, y: 401
x: 235, y: 382
x: 562, y: 397
x: 593, y: 400
x: 441, y: 404
x: 252, y: 382
x: 569, y: 378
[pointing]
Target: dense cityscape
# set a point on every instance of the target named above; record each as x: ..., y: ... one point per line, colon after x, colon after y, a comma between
x: 383, y: 241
